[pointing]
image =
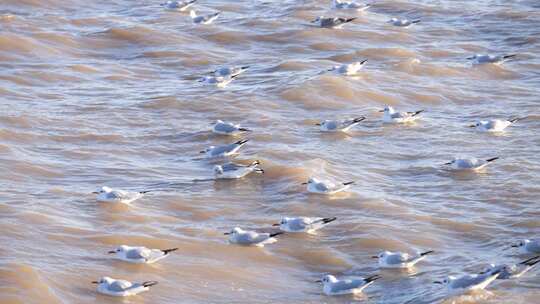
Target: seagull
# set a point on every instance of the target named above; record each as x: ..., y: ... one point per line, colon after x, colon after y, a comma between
x: 528, y: 246
x: 316, y: 186
x: 140, y: 255
x: 350, y: 69
x: 206, y: 19
x: 178, y: 5
x: 121, y: 288
x: 251, y: 238
x: 224, y: 150
x: 391, y: 116
x: 483, y: 58
x: 339, y: 125
x: 233, y: 171
x: 303, y: 224
x: 108, y: 195
x: 230, y: 71
x: 402, y: 22
x: 495, y: 125
x: 470, y: 163
x: 388, y: 259
x: 219, y: 82
x: 227, y: 128
x: 512, y: 271
x: 344, y: 4
x: 333, y: 286
x: 469, y: 282
x: 332, y: 22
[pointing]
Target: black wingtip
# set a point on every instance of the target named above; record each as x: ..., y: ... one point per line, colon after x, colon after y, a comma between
x: 532, y: 261
x: 417, y: 112
x: 372, y: 278
x: 241, y: 142
x: 167, y: 251
x: 416, y: 21
x: 149, y: 283
x: 276, y: 233
x: 363, y: 61
x: 348, y: 183
x: 245, y: 67
x: 350, y: 19
x: 492, y: 159
x: 513, y: 120
x: 426, y: 252
x: 509, y: 56
x: 244, y: 129
x: 359, y: 119
x: 327, y: 220
x: 144, y: 192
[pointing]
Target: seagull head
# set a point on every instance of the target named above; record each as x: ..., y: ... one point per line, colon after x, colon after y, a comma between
x: 119, y: 250
x: 388, y: 110
x: 207, y: 149
x: 451, y: 162
x: 393, y: 20
x: 311, y: 180
x: 218, y: 169
x: 477, y: 124
x: 283, y: 221
x: 382, y: 255
x: 445, y: 281
x: 234, y: 231
x: 103, y: 189
x: 521, y: 244
x: 318, y: 19
x: 473, y: 57
x: 103, y: 280
x: 328, y: 279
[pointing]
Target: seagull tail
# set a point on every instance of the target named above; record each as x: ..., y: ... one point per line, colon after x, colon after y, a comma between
x: 417, y: 112
x: 492, y: 159
x: 513, y: 120
x: 167, y: 251
x: 192, y: 1
x: 276, y: 233
x: 372, y: 278
x: 327, y: 220
x: 532, y: 261
x: 149, y: 283
x: 509, y: 56
x: 348, y: 183
x: 350, y: 19
x: 363, y: 62
x: 241, y: 142
x: 426, y: 252
x: 144, y: 192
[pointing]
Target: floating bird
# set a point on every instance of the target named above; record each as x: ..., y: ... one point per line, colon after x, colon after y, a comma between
x: 483, y: 59
x: 349, y: 69
x: 224, y: 150
x: 528, y: 246
x: 303, y: 224
x: 206, y: 19
x: 344, y: 4
x: 470, y: 163
x: 325, y: 187
x: 332, y: 22
x: 121, y: 288
x: 108, y: 195
x: 220, y: 82
x: 402, y: 22
x: 251, y: 238
x: 233, y: 171
x: 178, y: 5
x: 339, y: 125
x: 391, y: 116
x: 227, y: 128
x: 468, y: 283
x: 388, y: 259
x: 495, y: 125
x: 333, y: 286
x: 140, y: 255
x: 230, y: 71
x: 512, y: 271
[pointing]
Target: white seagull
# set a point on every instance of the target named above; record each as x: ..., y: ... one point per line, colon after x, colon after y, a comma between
x: 233, y: 171
x: 512, y: 271
x: 178, y: 5
x: 495, y: 125
x: 469, y: 282
x: 332, y: 22
x: 230, y: 71
x: 348, y: 69
x: 206, y: 19
x: 140, y: 255
x: 333, y: 286
x: 325, y: 187
x: 388, y: 259
x: 121, y: 288
x: 227, y: 128
x: 339, y: 125
x: 344, y: 4
x: 402, y: 22
x: 251, y: 238
x: 303, y: 224
x: 528, y: 246
x: 483, y: 59
x: 108, y: 195
x: 219, y: 82
x: 224, y: 150
x: 391, y: 116
x: 473, y: 164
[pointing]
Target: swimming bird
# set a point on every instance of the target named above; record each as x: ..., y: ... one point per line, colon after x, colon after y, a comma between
x: 344, y: 4
x: 178, y: 5
x: 224, y: 150
x: 303, y: 224
x: 219, y: 82
x: 473, y: 164
x: 494, y: 125
x: 402, y: 22
x: 494, y: 59
x: 233, y: 171
x: 121, y: 288
x: 332, y: 286
x: 108, y: 195
x: 528, y: 246
x: 227, y: 128
x: 206, y: 19
x: 230, y: 71
x: 349, y: 69
x: 332, y: 22
x: 325, y: 187
x: 388, y: 259
x: 469, y: 282
x: 512, y: 271
x: 251, y: 238
x: 339, y: 125
x: 391, y: 116
x: 140, y: 255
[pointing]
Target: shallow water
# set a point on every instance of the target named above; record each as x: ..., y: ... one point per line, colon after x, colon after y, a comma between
x: 104, y: 93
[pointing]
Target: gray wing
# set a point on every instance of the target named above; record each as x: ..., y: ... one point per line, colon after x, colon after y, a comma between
x: 534, y: 246
x: 297, y: 224
x: 222, y: 127
x: 222, y: 149
x: 396, y: 259
x: 120, y: 285
x: 252, y: 238
x: 331, y: 125
x: 135, y: 254
x: 322, y: 187
x: 345, y: 285
x: 468, y: 281
x: 231, y: 167
x: 328, y: 22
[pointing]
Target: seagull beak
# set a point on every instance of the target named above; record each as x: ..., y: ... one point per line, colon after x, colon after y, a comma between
x: 318, y: 124
x: 514, y: 246
x: 381, y: 111
x: 437, y: 282
x: 226, y: 233
x: 318, y: 281
x: 447, y: 163
x: 111, y: 252
x: 95, y: 192
x: 304, y: 183
x: 470, y: 58
x: 374, y: 257
x: 202, y: 152
x: 95, y: 282
x: 472, y: 126
x: 276, y: 225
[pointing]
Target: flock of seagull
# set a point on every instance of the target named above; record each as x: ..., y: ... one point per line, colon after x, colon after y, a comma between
x: 331, y: 285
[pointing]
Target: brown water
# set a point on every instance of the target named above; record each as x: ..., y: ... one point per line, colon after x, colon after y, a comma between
x: 102, y: 93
